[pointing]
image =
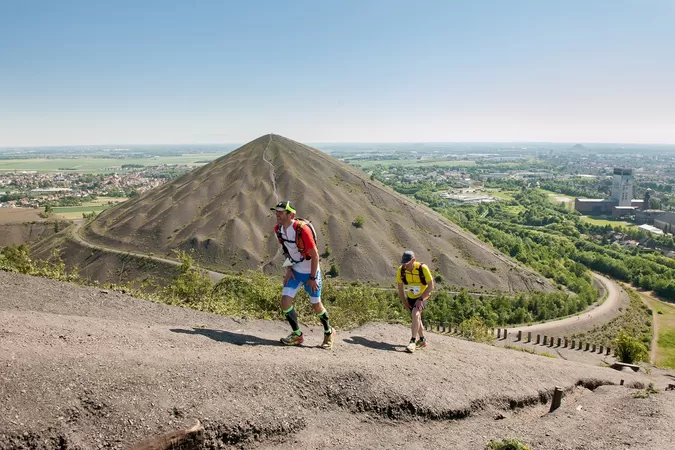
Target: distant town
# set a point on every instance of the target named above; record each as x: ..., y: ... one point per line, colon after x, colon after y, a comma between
x: 32, y: 189
x: 613, y: 182
x: 630, y: 184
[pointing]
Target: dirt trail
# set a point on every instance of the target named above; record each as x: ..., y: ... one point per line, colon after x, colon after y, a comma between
x: 215, y: 276
x: 273, y: 175
x: 85, y: 368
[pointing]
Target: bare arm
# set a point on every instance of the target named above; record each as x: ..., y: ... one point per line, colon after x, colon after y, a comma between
x: 314, y: 253
x: 428, y: 290
x: 424, y: 298
x: 401, y: 295
x: 313, y: 284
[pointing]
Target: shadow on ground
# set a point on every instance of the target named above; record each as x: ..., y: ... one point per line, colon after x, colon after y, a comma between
x: 359, y: 340
x: 229, y: 337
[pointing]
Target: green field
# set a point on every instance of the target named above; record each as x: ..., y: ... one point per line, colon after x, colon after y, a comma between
x: 603, y: 222
x: 105, y: 201
x: 499, y: 194
x: 665, y: 325
x: 98, y: 165
x: 552, y: 196
x: 556, y: 199
x: 517, y: 209
x: 75, y: 212
x: 412, y: 163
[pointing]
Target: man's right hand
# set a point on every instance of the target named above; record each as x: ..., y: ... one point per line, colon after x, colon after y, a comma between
x: 288, y: 276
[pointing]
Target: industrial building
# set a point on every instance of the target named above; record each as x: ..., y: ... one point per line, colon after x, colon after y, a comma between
x: 622, y: 202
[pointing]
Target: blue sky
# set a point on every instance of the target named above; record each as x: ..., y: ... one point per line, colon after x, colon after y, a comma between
x: 96, y: 72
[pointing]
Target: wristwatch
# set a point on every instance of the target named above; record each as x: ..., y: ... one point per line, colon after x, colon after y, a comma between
x: 312, y: 278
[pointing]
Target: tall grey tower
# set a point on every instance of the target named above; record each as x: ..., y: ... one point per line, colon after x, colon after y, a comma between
x: 622, y: 186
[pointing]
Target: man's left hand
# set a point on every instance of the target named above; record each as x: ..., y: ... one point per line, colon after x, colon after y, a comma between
x: 420, y: 305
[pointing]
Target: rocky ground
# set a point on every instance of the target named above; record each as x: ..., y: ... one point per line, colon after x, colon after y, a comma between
x: 84, y: 368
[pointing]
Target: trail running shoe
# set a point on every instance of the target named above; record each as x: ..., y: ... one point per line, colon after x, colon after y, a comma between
x: 328, y: 340
x: 292, y: 339
x: 421, y: 344
x: 411, y: 347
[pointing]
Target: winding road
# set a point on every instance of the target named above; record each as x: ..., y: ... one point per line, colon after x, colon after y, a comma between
x: 617, y: 300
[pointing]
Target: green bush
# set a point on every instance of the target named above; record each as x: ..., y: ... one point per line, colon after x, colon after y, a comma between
x: 334, y: 270
x: 629, y: 349
x: 191, y: 287
x: 17, y: 259
x: 359, y: 221
x: 475, y: 329
x: 506, y: 444
x: 646, y: 392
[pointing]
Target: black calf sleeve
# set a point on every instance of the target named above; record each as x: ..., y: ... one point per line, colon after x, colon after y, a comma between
x: 323, y: 317
x: 292, y: 318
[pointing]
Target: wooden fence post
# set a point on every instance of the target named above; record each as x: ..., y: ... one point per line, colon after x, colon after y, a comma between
x: 557, y: 399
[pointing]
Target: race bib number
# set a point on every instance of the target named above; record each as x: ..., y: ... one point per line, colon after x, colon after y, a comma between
x: 414, y: 290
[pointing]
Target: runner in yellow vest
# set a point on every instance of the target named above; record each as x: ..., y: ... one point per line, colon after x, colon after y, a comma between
x: 415, y: 286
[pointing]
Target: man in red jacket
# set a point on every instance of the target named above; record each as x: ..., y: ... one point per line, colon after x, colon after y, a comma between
x: 302, y: 268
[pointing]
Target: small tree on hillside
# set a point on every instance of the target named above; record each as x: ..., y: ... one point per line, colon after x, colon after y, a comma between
x: 334, y: 270
x: 358, y: 222
x: 47, y: 212
x: 475, y: 329
x: 630, y: 350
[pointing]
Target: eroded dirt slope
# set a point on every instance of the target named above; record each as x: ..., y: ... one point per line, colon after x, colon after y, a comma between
x: 221, y: 210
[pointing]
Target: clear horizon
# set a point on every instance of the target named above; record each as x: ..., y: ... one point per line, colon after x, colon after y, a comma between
x: 221, y: 73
